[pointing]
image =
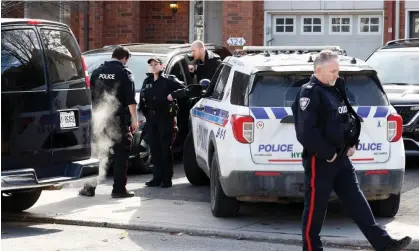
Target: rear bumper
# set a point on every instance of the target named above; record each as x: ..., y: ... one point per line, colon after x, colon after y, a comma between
x: 290, y: 185
x: 19, y: 179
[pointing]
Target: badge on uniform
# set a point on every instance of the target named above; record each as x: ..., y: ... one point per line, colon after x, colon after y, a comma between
x: 131, y: 77
x: 304, y: 103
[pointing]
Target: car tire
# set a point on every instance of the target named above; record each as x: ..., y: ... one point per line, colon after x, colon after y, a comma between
x: 141, y: 150
x: 221, y: 204
x: 386, y: 208
x: 16, y: 202
x: 195, y: 175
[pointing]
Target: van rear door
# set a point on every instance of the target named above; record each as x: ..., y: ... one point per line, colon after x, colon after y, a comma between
x: 25, y: 112
x: 275, y: 140
x: 70, y: 95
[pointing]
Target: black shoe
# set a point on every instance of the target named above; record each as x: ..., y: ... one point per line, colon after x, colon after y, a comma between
x: 87, y: 191
x: 166, y: 184
x: 152, y: 183
x: 125, y: 194
x: 398, y: 245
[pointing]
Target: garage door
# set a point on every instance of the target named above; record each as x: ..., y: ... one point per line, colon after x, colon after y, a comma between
x: 358, y: 34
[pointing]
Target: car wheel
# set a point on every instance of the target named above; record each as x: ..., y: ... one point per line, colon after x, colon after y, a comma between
x: 142, y: 159
x: 19, y: 201
x: 195, y: 175
x: 386, y: 208
x: 221, y: 204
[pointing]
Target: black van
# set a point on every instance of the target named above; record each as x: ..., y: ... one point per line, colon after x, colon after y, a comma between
x: 45, y: 111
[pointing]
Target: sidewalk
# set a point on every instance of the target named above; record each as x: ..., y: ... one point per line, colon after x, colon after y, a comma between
x: 258, y: 222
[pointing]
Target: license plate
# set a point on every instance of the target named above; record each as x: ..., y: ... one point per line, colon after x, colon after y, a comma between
x: 67, y: 119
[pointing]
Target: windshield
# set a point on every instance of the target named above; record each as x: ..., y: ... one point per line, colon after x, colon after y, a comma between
x: 396, y: 67
x: 137, y: 64
x: 274, y: 90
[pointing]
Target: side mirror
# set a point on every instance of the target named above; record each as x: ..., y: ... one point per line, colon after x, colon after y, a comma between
x: 194, y: 90
x: 205, y: 83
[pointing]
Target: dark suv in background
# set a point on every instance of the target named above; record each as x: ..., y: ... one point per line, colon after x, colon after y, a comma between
x: 397, y: 65
x: 45, y: 111
x: 176, y: 58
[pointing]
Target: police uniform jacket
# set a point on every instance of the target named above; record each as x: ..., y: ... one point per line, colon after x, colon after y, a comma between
x: 116, y: 80
x: 153, y: 96
x: 322, y: 121
x: 206, y: 69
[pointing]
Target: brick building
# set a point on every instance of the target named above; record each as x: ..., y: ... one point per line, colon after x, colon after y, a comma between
x: 316, y: 22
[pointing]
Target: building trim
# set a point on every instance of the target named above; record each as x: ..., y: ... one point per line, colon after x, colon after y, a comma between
x: 191, y: 21
x: 407, y: 22
x: 349, y: 11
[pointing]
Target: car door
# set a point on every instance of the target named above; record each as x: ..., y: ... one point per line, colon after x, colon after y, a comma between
x: 70, y: 96
x: 209, y: 113
x: 25, y: 112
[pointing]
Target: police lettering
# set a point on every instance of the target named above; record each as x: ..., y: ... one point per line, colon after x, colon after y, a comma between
x: 343, y: 109
x: 369, y: 147
x: 107, y: 76
x: 275, y: 148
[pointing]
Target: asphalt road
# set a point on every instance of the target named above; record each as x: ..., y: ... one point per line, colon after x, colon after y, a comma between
x: 52, y: 237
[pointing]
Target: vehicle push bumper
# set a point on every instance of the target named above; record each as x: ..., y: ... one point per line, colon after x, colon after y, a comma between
x: 289, y: 185
x: 18, y: 179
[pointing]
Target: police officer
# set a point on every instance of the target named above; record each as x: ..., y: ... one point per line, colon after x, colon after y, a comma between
x: 323, y: 119
x: 113, y: 92
x: 157, y: 105
x: 205, y: 63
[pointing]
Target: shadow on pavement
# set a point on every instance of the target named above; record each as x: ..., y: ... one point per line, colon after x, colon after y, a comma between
x: 15, y: 231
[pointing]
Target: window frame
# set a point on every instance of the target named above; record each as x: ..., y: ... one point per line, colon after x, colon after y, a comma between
x: 312, y: 17
x: 294, y: 25
x: 340, y: 33
x: 220, y: 98
x: 46, y: 86
x: 369, y: 33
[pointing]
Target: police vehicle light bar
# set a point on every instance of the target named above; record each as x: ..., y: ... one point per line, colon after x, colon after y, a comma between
x: 292, y: 48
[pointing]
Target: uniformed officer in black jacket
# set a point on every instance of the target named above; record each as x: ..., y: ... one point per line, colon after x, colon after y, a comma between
x: 113, y: 89
x: 205, y: 63
x: 157, y: 105
x: 324, y: 124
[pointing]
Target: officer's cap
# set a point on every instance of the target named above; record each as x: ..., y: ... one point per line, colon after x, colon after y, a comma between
x: 157, y: 59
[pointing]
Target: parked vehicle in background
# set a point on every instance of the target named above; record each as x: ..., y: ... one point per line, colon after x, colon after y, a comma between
x: 397, y: 65
x: 176, y: 58
x: 46, y: 111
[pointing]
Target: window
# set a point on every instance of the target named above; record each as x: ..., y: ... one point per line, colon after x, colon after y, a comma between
x: 239, y: 87
x: 285, y: 25
x: 177, y: 70
x: 274, y: 90
x: 369, y: 24
x: 63, y: 58
x: 221, y: 83
x: 312, y: 25
x: 21, y: 63
x: 340, y: 25
x: 396, y: 67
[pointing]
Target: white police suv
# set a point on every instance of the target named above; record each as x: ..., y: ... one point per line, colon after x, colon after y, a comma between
x: 243, y: 141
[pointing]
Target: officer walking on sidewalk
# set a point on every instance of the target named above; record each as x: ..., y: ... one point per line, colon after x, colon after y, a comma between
x: 157, y: 105
x: 329, y: 137
x: 113, y: 96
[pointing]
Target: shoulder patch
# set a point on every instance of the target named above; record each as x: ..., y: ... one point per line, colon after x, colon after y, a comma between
x: 304, y: 103
x: 131, y: 77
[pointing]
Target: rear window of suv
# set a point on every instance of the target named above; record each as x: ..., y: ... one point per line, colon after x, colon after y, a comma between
x: 278, y: 90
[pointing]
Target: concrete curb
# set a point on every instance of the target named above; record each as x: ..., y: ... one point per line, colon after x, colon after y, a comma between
x: 290, y: 239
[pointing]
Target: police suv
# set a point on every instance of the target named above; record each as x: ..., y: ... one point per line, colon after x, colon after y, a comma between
x: 242, y: 139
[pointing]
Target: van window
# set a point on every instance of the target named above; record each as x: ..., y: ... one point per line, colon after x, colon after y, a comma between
x: 63, y: 59
x: 273, y: 90
x: 21, y: 63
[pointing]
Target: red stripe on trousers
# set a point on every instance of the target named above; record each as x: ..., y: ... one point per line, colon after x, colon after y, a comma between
x: 312, y: 198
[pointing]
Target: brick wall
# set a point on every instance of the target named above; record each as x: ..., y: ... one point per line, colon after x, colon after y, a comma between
x: 402, y: 19
x: 390, y: 20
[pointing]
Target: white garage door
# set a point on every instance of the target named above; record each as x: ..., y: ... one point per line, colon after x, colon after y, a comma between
x: 358, y: 34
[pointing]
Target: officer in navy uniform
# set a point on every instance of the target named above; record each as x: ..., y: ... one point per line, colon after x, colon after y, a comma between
x: 328, y: 129
x: 113, y: 89
x: 159, y: 109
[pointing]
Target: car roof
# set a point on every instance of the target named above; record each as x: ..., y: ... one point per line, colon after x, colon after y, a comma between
x: 260, y: 59
x: 408, y: 44
x: 26, y: 20
x: 150, y: 48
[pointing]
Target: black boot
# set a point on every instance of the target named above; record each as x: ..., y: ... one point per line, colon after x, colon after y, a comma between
x: 126, y: 194
x: 398, y: 245
x: 153, y: 183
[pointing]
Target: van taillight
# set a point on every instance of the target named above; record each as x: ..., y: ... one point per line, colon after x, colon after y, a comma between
x: 86, y: 73
x: 242, y: 128
x: 394, y: 127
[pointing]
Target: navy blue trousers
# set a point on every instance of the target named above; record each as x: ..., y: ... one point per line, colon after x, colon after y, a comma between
x: 321, y: 178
